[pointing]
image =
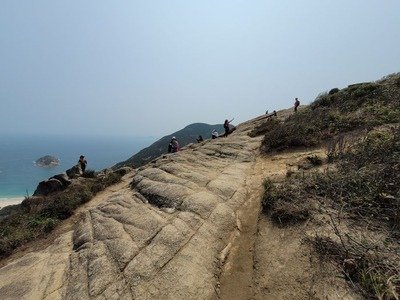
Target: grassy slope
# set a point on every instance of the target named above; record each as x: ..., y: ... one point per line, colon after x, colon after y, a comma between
x: 363, y: 188
x: 362, y: 106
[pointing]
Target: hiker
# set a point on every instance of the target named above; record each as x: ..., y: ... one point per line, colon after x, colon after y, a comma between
x: 199, y: 139
x: 296, y: 104
x: 82, y: 163
x: 226, y: 127
x: 173, y: 145
x: 273, y: 114
x: 214, y: 134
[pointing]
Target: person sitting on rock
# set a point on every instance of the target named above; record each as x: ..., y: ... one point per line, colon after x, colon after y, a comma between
x: 173, y: 145
x: 214, y: 134
x: 199, y: 139
x: 82, y: 163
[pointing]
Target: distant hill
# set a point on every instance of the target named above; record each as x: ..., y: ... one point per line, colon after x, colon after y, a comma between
x: 184, y: 136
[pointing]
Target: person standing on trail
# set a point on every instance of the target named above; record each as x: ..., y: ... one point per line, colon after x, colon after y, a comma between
x: 82, y: 163
x: 226, y: 127
x: 296, y: 104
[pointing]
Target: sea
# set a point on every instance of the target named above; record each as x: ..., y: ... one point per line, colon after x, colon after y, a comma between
x: 19, y: 176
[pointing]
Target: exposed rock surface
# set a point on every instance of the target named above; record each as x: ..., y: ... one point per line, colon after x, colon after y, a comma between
x: 162, y: 239
x: 168, y: 234
x: 48, y: 186
x: 74, y: 172
x: 54, y: 184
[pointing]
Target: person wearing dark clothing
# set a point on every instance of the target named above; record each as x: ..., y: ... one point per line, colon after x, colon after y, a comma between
x: 82, y: 163
x: 296, y: 104
x: 199, y: 139
x: 226, y: 127
x: 173, y: 145
x: 170, y: 147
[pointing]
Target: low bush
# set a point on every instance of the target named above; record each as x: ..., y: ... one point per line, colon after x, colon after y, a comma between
x: 284, y: 204
x: 333, y: 91
x: 264, y: 127
x: 39, y: 216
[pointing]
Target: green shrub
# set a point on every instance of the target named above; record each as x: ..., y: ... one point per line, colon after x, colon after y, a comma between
x: 265, y: 127
x: 297, y: 131
x: 283, y: 204
x: 38, y: 217
x: 366, y: 187
x: 64, y: 204
x: 89, y: 174
x: 333, y: 91
x: 323, y: 99
x: 42, y: 224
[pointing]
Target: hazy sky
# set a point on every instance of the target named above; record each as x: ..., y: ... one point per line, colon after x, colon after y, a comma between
x: 149, y: 68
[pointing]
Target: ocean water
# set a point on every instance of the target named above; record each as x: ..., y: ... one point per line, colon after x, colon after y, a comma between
x: 19, y: 175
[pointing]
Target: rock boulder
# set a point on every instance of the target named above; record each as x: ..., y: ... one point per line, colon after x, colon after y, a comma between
x: 48, y: 186
x: 74, y: 172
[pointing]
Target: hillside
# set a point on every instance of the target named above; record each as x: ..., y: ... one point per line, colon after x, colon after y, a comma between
x: 313, y: 214
x: 185, y: 136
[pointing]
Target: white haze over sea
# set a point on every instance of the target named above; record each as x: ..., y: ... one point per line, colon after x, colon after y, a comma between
x: 10, y: 201
x: 19, y: 176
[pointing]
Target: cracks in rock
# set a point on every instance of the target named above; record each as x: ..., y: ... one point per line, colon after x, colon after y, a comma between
x: 114, y: 261
x: 173, y: 255
x: 160, y: 202
x: 46, y: 295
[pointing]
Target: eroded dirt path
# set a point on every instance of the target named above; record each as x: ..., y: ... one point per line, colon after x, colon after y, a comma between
x: 236, y: 281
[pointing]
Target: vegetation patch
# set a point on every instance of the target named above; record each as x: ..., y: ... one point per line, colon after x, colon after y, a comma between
x: 264, y: 127
x: 38, y: 216
x: 365, y: 187
x: 360, y: 106
x: 284, y: 204
x: 369, y: 267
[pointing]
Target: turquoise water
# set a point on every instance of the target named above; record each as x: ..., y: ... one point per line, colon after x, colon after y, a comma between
x: 19, y: 175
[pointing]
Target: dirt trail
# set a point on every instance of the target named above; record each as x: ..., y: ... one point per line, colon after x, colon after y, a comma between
x: 267, y: 262
x: 236, y: 281
x: 187, y: 226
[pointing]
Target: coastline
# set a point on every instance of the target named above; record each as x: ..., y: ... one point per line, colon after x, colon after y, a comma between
x: 6, y: 201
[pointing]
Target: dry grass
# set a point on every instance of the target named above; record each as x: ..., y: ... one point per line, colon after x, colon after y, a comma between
x: 361, y: 106
x: 37, y: 216
x: 365, y: 187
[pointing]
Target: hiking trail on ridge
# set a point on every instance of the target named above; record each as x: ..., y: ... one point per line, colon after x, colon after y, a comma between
x: 186, y: 226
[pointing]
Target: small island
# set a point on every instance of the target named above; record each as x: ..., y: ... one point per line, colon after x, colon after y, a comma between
x: 47, y: 161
